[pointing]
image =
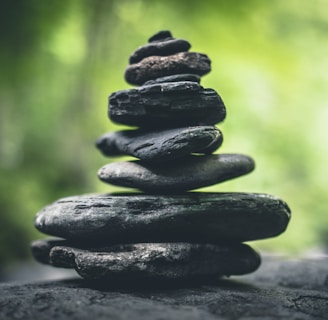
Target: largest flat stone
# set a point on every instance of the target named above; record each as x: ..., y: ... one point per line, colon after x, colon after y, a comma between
x: 150, y: 260
x: 169, y: 104
x: 190, y: 217
x: 188, y: 173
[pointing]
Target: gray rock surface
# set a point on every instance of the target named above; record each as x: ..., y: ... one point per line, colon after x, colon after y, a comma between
x: 189, y: 173
x: 159, y: 48
x: 191, y: 217
x: 278, y: 290
x: 175, y: 78
x: 166, y: 105
x: 161, y: 145
x: 154, y: 67
x: 146, y: 261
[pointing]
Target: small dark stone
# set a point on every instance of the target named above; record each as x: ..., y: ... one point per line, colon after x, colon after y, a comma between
x: 153, y: 260
x: 169, y: 104
x: 190, y: 173
x: 163, y: 48
x: 160, y: 36
x: 155, y: 67
x: 197, y: 217
x: 175, y: 78
x: 161, y: 145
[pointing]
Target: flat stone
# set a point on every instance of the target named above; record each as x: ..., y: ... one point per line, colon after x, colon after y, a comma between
x: 160, y: 145
x: 189, y: 173
x: 175, y: 78
x: 154, y: 67
x: 197, y: 217
x: 152, y: 260
x: 169, y: 104
x: 159, y: 48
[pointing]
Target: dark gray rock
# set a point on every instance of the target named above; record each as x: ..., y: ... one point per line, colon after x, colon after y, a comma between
x: 169, y: 104
x: 160, y: 48
x: 151, y: 260
x: 161, y: 36
x: 191, y: 217
x: 189, y: 173
x: 154, y: 67
x: 160, y: 145
x: 270, y: 294
x: 175, y: 78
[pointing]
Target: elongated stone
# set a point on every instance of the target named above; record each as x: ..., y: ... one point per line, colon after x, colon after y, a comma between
x: 161, y: 145
x: 153, y: 260
x: 169, y: 104
x: 175, y: 78
x: 154, y: 67
x: 191, y: 172
x: 190, y: 217
x: 159, y: 48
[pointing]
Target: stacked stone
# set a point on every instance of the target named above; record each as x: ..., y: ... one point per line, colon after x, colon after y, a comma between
x: 165, y: 231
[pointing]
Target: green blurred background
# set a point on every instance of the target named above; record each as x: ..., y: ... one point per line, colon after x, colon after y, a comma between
x: 61, y: 59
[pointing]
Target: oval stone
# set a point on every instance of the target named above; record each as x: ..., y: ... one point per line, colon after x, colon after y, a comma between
x: 188, y: 173
x: 175, y: 78
x: 151, y: 260
x: 160, y: 145
x: 155, y: 66
x: 159, y: 48
x: 191, y: 217
x: 170, y: 104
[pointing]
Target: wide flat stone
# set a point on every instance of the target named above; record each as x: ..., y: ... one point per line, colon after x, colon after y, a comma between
x: 191, y: 217
x: 175, y: 78
x: 188, y: 173
x: 155, y: 66
x: 160, y: 48
x: 161, y: 145
x: 151, y: 260
x: 169, y: 104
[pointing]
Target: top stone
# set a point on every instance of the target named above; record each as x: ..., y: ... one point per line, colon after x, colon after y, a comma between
x: 161, y: 36
x: 161, y: 44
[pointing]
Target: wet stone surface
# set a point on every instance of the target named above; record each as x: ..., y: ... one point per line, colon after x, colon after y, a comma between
x: 278, y: 290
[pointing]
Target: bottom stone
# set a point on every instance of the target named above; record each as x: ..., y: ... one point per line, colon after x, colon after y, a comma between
x: 148, y: 260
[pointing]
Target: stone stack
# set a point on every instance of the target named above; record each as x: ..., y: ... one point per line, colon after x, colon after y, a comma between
x: 165, y: 231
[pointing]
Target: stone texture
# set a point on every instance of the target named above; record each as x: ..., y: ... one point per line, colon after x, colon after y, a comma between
x: 166, y: 105
x: 154, y: 67
x: 188, y: 173
x: 159, y: 48
x: 191, y: 217
x: 151, y: 260
x: 278, y: 290
x: 160, y: 145
x: 175, y: 78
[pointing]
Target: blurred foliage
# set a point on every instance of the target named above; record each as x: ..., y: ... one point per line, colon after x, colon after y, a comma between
x: 61, y: 59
